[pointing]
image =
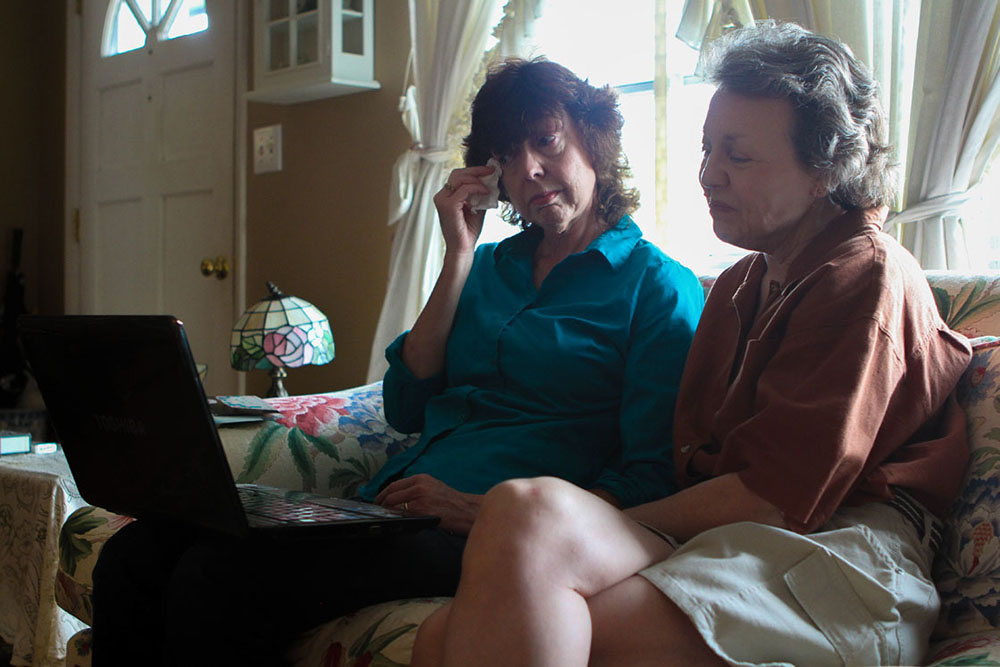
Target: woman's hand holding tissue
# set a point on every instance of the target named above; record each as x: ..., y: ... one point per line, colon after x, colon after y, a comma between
x: 461, y: 204
x: 460, y: 210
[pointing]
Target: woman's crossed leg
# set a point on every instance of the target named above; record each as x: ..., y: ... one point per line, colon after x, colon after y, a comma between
x: 547, y: 579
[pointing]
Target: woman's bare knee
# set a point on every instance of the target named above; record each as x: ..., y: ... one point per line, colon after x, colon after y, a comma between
x: 519, y: 516
x: 520, y: 540
x: 510, y: 501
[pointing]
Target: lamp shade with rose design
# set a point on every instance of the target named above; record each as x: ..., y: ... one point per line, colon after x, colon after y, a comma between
x: 280, y: 332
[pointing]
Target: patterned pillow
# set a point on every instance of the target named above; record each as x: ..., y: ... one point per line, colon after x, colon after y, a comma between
x: 382, y: 634
x: 969, y: 304
x: 322, y: 443
x: 967, y: 568
x: 979, y: 649
x: 80, y: 541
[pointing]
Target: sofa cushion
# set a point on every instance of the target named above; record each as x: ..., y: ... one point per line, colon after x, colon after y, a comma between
x: 329, y: 444
x: 381, y: 634
x: 967, y: 569
x: 982, y: 648
x: 968, y: 304
x: 80, y: 541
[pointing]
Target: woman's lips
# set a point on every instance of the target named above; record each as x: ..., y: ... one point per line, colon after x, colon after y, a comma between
x: 544, y: 198
x: 716, y: 206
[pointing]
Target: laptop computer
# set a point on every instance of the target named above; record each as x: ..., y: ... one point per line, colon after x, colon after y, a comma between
x: 130, y: 412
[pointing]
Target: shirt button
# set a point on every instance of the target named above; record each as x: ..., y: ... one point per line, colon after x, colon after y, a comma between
x: 685, y: 449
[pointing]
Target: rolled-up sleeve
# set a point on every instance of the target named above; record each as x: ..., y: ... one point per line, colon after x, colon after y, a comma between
x: 405, y: 396
x: 667, y: 309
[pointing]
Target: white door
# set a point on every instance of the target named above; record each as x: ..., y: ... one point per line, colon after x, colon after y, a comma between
x: 157, y: 169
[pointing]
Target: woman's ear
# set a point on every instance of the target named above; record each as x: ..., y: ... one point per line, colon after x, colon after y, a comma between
x: 819, y: 189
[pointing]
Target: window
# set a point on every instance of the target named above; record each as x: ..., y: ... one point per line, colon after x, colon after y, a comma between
x: 982, y: 234
x: 615, y: 44
x: 132, y: 22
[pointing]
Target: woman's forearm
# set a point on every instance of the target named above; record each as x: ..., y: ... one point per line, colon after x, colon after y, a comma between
x: 712, y: 503
x: 424, y: 348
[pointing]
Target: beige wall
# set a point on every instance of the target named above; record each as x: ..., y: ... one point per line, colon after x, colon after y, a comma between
x: 32, y: 63
x: 318, y: 228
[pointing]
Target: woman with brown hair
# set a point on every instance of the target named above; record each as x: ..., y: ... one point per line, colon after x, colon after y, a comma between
x: 555, y: 352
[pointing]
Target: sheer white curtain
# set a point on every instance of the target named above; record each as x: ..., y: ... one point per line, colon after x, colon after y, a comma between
x: 448, y: 39
x: 944, y: 130
x: 516, y: 31
x: 954, y: 134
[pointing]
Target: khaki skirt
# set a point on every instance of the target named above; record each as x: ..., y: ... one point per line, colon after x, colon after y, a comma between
x: 856, y: 592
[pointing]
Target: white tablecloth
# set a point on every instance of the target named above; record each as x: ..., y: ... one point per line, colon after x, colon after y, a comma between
x: 37, y: 493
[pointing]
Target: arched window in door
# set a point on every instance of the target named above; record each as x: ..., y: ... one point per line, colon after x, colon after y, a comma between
x: 131, y: 23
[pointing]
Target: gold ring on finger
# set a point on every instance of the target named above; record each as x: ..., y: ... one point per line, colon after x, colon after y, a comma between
x: 406, y: 505
x: 449, y: 187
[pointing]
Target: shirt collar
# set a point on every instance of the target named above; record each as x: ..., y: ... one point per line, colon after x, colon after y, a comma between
x: 815, y: 253
x: 615, y: 244
x: 520, y: 244
x: 836, y: 232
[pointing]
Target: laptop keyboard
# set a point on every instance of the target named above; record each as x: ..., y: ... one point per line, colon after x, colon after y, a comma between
x: 273, y: 504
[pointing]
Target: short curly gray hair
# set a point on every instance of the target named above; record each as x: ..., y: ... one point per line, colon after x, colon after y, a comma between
x: 840, y: 128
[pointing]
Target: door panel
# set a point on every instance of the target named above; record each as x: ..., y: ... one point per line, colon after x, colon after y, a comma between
x: 157, y: 173
x: 123, y: 249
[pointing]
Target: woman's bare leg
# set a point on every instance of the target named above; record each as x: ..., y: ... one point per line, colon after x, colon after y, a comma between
x: 428, y: 648
x: 635, y: 624
x: 539, y: 549
x: 632, y: 623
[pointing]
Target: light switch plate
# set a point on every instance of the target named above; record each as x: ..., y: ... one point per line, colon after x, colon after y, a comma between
x: 267, y: 149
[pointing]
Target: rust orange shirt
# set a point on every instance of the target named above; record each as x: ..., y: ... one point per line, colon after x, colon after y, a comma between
x: 836, y: 389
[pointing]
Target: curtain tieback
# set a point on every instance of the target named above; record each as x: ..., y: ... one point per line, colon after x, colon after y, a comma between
x: 947, y: 205
x: 434, y: 155
x: 404, y: 176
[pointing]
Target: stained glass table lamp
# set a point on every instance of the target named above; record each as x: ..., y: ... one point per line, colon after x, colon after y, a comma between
x: 280, y: 332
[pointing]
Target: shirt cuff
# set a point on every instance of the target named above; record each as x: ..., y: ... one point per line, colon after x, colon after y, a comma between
x: 394, y: 355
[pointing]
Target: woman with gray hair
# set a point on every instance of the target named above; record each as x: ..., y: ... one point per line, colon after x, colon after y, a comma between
x: 817, y: 439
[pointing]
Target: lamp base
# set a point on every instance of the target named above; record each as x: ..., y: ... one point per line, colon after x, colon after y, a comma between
x: 277, y: 389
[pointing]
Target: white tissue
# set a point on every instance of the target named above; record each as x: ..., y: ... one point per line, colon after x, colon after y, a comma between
x: 492, y: 181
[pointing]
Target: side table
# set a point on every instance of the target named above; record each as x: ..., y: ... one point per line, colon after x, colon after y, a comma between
x: 37, y: 493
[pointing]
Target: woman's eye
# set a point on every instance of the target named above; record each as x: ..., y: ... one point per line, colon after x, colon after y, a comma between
x: 547, y: 140
x: 738, y: 159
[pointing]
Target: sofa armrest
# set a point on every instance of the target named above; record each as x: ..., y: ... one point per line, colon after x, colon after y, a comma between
x: 80, y: 540
x: 329, y: 444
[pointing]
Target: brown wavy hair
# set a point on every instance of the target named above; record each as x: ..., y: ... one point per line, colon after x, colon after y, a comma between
x: 520, y: 94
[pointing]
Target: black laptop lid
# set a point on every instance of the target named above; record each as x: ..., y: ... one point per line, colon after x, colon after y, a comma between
x: 131, y: 415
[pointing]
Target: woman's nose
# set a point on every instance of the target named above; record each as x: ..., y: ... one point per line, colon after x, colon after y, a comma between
x: 711, y: 175
x: 528, y: 164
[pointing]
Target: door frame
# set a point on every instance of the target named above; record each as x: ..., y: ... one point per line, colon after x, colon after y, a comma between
x: 73, y: 264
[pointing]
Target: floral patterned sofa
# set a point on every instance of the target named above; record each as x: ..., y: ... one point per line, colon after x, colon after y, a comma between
x: 332, y: 443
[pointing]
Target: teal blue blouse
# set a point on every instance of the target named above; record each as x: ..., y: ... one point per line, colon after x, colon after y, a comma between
x: 576, y: 379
